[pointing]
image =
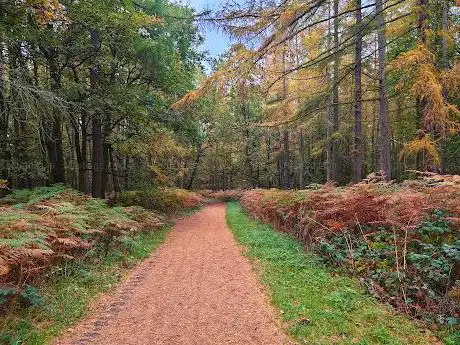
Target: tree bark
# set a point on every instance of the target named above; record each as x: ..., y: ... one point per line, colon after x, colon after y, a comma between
x: 329, y: 149
x: 335, y: 96
x: 97, y: 165
x: 78, y: 154
x: 54, y: 145
x: 301, y: 159
x: 358, y: 126
x: 284, y: 168
x: 105, y: 149
x: 384, y: 119
x: 247, y: 148
x: 444, y: 66
x: 268, y: 160
x: 285, y: 180
x: 4, y: 154
x: 115, y: 172
x: 199, y: 153
x: 127, y: 168
x: 426, y: 125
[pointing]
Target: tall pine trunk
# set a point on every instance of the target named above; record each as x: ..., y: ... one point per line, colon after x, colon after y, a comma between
x: 4, y: 154
x: 115, y: 173
x: 444, y: 66
x: 335, y: 96
x: 284, y: 168
x: 384, y: 120
x: 329, y: 164
x: 199, y: 153
x: 301, y: 159
x: 55, y: 145
x: 268, y: 160
x: 97, y: 164
x: 285, y: 179
x: 358, y: 126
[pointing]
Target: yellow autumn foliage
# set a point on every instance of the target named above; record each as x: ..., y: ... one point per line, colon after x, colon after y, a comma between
x: 427, y: 85
x: 423, y: 144
x: 236, y: 70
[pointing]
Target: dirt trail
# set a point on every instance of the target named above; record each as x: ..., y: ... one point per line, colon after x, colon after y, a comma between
x: 197, y: 289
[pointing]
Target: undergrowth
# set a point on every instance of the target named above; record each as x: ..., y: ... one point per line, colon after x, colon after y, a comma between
x: 50, y: 226
x: 60, y: 300
x: 166, y: 200
x: 401, y: 240
x: 58, y: 250
x: 317, y: 306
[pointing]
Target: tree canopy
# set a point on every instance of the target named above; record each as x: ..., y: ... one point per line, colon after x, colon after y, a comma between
x: 112, y: 95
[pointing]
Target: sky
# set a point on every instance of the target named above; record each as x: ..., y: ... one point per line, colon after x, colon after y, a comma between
x: 216, y: 42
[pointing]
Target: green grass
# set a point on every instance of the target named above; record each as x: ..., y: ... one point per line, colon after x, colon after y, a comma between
x: 70, y: 289
x: 24, y: 197
x: 317, y: 306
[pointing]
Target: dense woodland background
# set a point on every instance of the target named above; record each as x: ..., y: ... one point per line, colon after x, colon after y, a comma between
x: 111, y: 95
x: 86, y: 88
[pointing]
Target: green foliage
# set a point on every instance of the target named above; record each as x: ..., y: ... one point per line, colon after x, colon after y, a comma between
x: 32, y: 196
x: 167, y: 200
x: 31, y: 297
x: 317, y: 306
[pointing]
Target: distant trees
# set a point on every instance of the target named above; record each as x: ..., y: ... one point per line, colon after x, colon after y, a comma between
x: 103, y: 96
x: 85, y: 89
x: 345, y: 88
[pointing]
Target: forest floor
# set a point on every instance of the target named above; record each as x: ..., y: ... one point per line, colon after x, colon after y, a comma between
x: 196, y: 289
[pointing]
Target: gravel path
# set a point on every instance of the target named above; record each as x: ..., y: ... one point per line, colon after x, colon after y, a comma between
x: 197, y: 289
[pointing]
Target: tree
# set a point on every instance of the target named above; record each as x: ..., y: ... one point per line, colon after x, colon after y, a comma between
x: 358, y: 94
x: 359, y: 89
x: 384, y: 120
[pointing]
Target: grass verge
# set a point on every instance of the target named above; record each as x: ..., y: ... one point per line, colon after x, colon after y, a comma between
x: 319, y: 307
x: 64, y: 298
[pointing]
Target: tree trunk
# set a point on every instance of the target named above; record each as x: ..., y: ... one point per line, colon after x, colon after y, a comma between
x: 329, y: 148
x: 199, y: 153
x: 247, y: 145
x: 79, y: 123
x: 285, y: 179
x: 84, y: 152
x: 445, y: 66
x: 358, y: 127
x: 384, y: 119
x: 115, y: 173
x: 59, y: 175
x: 335, y: 96
x: 97, y: 165
x: 301, y: 159
x: 4, y: 154
x: 55, y: 141
x: 127, y: 166
x: 284, y: 168
x: 105, y: 149
x: 426, y: 124
x: 78, y: 154
x: 268, y: 160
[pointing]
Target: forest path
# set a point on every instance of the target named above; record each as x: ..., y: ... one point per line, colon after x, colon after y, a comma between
x: 196, y: 289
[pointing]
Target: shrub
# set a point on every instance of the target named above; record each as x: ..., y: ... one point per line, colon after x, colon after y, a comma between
x: 31, y: 196
x: 56, y: 224
x: 402, y: 240
x: 165, y: 200
x: 223, y: 195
